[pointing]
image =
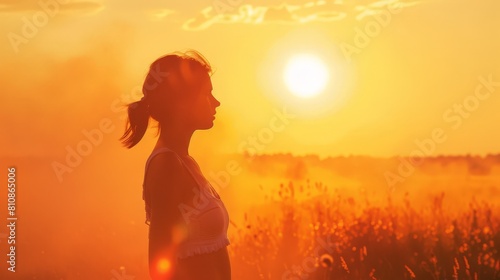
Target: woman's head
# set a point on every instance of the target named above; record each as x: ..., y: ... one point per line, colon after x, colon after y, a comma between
x: 177, y: 89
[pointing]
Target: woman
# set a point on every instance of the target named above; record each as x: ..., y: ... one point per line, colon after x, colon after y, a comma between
x: 187, y: 220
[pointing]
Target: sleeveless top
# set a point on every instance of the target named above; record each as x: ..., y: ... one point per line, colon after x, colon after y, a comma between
x: 206, y: 219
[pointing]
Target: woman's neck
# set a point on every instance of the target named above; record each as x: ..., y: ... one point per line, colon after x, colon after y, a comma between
x: 175, y: 139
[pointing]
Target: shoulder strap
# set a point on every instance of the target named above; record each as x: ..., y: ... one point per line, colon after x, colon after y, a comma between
x: 200, y: 178
x: 153, y: 154
x: 201, y: 183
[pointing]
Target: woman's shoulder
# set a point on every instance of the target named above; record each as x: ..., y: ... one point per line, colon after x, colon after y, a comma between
x: 165, y: 177
x: 163, y: 153
x: 164, y: 161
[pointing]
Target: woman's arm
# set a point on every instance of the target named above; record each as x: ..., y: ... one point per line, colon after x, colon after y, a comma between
x: 165, y: 184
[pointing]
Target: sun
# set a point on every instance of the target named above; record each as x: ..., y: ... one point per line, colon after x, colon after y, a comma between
x: 306, y: 75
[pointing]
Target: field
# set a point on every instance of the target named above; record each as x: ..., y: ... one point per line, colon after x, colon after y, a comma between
x: 320, y: 233
x: 325, y: 238
x: 292, y: 218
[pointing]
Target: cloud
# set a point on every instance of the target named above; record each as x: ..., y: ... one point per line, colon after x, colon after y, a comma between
x: 312, y: 11
x: 159, y: 14
x: 380, y: 6
x: 7, y: 6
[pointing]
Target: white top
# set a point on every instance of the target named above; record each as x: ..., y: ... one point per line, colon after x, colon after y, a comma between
x: 206, y: 219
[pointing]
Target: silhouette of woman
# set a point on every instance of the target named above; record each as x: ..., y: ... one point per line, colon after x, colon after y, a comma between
x: 187, y: 219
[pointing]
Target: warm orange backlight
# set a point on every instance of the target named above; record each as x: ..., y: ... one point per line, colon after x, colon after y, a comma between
x: 163, y: 266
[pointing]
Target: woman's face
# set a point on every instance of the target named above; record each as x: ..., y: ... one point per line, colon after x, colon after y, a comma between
x: 199, y: 111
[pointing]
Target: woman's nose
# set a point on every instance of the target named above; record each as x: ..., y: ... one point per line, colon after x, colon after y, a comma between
x: 216, y: 102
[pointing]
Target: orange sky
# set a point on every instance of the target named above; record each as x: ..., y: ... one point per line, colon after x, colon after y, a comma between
x: 65, y: 67
x: 406, y: 77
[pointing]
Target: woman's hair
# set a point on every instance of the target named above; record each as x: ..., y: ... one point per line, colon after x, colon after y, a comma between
x: 169, y: 79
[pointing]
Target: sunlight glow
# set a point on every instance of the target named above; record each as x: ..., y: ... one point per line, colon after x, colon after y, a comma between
x: 163, y: 266
x: 306, y: 75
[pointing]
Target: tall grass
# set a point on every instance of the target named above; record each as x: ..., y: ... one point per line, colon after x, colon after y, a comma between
x: 312, y: 232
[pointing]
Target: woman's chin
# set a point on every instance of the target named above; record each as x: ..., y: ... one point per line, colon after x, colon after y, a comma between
x: 207, y: 125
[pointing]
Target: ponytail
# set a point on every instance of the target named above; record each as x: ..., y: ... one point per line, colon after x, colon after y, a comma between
x: 160, y: 91
x: 137, y: 123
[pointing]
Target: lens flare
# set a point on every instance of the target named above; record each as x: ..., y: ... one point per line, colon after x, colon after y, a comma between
x: 163, y: 266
